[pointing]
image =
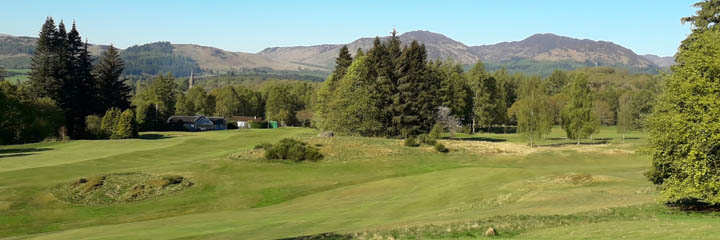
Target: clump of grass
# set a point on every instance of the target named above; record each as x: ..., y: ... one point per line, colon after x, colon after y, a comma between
x: 293, y: 150
x: 440, y: 148
x: 265, y: 146
x: 410, y: 142
x: 118, y: 188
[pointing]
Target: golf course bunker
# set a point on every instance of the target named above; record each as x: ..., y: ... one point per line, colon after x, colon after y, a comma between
x: 118, y: 188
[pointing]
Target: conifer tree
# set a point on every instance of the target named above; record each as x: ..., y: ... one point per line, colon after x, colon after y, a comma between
x: 113, y: 92
x: 578, y: 120
x: 342, y: 62
x: 415, y: 102
x: 44, y: 60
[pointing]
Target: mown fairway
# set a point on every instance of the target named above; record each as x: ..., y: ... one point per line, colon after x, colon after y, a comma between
x: 364, y: 185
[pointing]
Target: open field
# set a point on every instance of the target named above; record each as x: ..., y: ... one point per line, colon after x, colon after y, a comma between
x: 18, y: 75
x: 363, y: 187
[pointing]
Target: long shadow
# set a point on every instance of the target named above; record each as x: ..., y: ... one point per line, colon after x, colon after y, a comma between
x: 19, y: 152
x: 23, y: 150
x: 479, y: 139
x: 153, y: 136
x: 16, y: 155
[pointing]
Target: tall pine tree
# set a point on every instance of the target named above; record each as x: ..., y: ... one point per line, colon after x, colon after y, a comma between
x: 113, y: 92
x: 415, y: 102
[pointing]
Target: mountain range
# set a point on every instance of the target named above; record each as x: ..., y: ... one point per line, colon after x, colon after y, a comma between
x: 547, y: 49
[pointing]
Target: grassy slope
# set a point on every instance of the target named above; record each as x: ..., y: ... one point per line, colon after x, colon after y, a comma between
x: 363, y: 184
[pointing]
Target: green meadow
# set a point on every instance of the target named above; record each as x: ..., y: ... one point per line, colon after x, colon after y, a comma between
x: 364, y: 188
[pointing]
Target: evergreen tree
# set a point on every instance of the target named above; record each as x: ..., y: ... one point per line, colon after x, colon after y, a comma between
x: 454, y: 92
x: 353, y: 109
x: 342, y: 62
x: 44, y: 60
x: 113, y: 92
x: 415, y: 102
x: 578, y: 120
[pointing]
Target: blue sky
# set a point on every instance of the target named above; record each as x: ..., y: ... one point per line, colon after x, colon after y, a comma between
x: 645, y: 26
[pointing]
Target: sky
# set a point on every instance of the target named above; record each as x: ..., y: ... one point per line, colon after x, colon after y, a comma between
x: 644, y: 26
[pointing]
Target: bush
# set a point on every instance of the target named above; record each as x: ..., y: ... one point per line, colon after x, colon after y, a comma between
x: 110, y: 121
x: 436, y: 131
x: 265, y: 146
x: 441, y: 148
x: 290, y: 149
x: 426, y: 139
x: 258, y: 124
x: 410, y: 142
x: 93, y: 125
x: 126, y: 126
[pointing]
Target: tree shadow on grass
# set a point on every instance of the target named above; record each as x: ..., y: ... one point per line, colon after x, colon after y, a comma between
x: 479, y: 139
x: 153, y: 136
x: 19, y: 152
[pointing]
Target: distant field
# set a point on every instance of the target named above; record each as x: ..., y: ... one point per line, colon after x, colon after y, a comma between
x: 17, y: 74
x: 363, y: 187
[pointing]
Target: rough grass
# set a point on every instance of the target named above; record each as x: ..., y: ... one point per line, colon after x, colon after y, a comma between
x: 118, y: 188
x: 371, y: 185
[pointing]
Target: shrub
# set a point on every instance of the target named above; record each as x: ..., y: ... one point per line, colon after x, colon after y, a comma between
x: 93, y: 125
x: 258, y: 124
x: 426, y: 139
x: 410, y: 142
x: 290, y: 149
x: 110, y: 121
x: 436, y: 131
x: 441, y: 148
x: 126, y: 126
x: 265, y: 146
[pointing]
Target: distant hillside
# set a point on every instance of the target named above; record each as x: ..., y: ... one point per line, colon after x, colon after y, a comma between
x: 535, y: 52
x: 152, y: 58
x: 660, y: 61
x: 550, y: 47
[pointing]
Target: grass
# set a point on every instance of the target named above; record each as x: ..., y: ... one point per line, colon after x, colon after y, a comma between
x: 362, y: 186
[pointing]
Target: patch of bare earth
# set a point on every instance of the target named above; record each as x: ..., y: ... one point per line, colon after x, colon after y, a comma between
x: 505, y: 148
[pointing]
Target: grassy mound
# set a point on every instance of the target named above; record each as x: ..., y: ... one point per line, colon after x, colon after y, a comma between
x: 118, y: 188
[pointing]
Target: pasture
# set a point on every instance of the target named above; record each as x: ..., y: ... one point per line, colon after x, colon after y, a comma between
x: 363, y: 188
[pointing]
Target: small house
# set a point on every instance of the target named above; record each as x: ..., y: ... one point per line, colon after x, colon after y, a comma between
x: 244, y: 122
x: 219, y: 122
x: 198, y: 123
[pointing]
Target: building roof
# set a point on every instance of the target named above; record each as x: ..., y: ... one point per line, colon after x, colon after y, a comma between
x: 217, y: 120
x: 245, y: 119
x: 184, y: 119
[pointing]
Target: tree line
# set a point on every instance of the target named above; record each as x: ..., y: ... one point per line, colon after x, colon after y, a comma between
x: 63, y: 82
x: 394, y: 91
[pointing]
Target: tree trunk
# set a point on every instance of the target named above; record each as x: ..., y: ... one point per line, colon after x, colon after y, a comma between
x: 473, y: 126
